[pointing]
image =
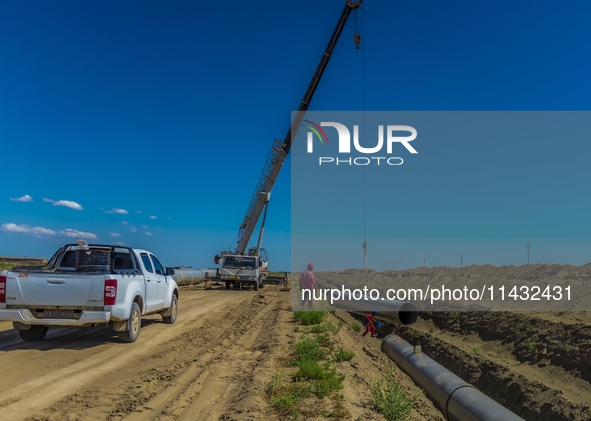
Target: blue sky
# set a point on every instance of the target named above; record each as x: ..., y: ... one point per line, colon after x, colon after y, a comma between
x: 166, y: 110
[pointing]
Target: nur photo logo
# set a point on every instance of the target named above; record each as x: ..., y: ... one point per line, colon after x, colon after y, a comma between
x: 388, y: 136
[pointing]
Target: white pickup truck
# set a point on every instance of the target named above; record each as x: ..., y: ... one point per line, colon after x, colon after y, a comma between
x: 86, y: 285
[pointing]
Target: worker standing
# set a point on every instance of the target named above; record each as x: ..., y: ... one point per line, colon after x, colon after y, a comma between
x: 307, y: 282
x: 370, y: 323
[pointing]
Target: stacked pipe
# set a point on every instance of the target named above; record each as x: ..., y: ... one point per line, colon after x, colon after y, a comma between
x: 456, y: 399
x: 191, y: 276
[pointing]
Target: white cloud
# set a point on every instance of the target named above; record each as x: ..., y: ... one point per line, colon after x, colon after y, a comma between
x: 153, y: 217
x: 118, y: 243
x: 144, y: 226
x: 125, y: 223
x: 133, y: 229
x: 25, y: 229
x: 25, y: 198
x: 117, y: 211
x: 67, y: 203
x: 68, y: 232
x: 138, y: 212
x: 149, y: 233
x: 114, y: 234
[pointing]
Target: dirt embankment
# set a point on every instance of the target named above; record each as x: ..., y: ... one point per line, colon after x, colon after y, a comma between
x: 214, y: 363
x: 537, y: 364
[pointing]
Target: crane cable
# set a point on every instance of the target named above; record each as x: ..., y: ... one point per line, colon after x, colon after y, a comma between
x: 357, y: 40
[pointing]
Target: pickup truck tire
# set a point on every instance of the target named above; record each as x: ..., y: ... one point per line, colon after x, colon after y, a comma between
x: 133, y: 325
x: 227, y: 284
x: 174, y: 308
x: 35, y: 333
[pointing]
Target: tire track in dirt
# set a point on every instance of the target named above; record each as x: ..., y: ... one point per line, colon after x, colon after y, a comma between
x: 33, y: 395
x: 210, y: 382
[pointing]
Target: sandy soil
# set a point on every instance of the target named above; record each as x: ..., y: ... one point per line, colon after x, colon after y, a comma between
x: 537, y: 364
x: 214, y: 363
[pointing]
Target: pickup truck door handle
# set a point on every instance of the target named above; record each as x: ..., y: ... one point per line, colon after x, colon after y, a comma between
x: 55, y: 281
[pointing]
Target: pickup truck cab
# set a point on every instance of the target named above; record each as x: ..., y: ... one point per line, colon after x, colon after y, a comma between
x: 86, y: 285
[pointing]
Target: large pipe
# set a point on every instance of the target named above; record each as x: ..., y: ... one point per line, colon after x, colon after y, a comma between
x: 191, y: 276
x: 456, y: 399
x: 391, y: 310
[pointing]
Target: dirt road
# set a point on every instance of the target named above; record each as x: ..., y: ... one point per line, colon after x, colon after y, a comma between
x: 214, y: 363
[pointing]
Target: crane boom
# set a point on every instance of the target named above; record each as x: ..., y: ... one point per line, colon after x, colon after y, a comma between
x: 280, y: 149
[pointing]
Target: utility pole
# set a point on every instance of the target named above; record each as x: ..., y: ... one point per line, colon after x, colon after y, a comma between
x: 424, y: 262
x: 401, y: 263
x: 461, y: 260
x: 528, y: 247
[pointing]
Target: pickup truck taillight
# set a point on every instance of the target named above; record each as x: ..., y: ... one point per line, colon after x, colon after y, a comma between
x: 2, y: 289
x: 110, y: 292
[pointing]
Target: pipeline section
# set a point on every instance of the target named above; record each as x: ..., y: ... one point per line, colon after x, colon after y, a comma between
x: 390, y: 310
x: 456, y: 399
x: 192, y: 276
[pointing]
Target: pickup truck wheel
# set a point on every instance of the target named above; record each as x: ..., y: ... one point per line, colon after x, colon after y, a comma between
x: 35, y: 333
x: 174, y: 308
x: 227, y: 284
x: 133, y: 325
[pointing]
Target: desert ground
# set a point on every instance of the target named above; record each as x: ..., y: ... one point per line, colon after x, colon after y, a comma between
x: 218, y: 360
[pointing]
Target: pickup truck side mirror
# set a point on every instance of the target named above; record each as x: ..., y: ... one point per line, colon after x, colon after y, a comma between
x: 169, y: 271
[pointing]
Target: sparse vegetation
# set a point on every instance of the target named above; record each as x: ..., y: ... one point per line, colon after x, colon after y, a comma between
x: 4, y: 265
x: 475, y: 350
x: 567, y: 349
x: 308, y: 349
x: 356, y: 326
x: 342, y: 355
x: 456, y: 315
x: 391, y: 400
x: 333, y: 326
x: 315, y: 375
x: 296, y: 328
x: 309, y: 317
x: 532, y: 346
x: 317, y: 329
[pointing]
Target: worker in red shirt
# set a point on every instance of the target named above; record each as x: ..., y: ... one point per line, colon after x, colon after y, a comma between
x: 307, y: 282
x: 370, y: 323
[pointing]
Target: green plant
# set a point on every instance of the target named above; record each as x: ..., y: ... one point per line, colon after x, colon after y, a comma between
x: 309, y: 317
x: 475, y: 350
x: 339, y: 412
x: 309, y: 370
x: 391, y: 400
x: 532, y: 346
x: 356, y: 326
x: 333, y: 326
x: 342, y: 355
x: 317, y: 329
x: 296, y: 328
x: 324, y: 340
x: 456, y: 315
x: 284, y: 394
x: 567, y: 349
x: 309, y: 349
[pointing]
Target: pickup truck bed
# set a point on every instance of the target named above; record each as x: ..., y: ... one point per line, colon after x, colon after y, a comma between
x: 85, y: 285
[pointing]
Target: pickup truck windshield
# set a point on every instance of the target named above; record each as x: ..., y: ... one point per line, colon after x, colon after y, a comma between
x: 240, y: 262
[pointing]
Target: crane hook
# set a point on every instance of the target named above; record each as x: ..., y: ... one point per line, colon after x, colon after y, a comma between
x: 357, y: 39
